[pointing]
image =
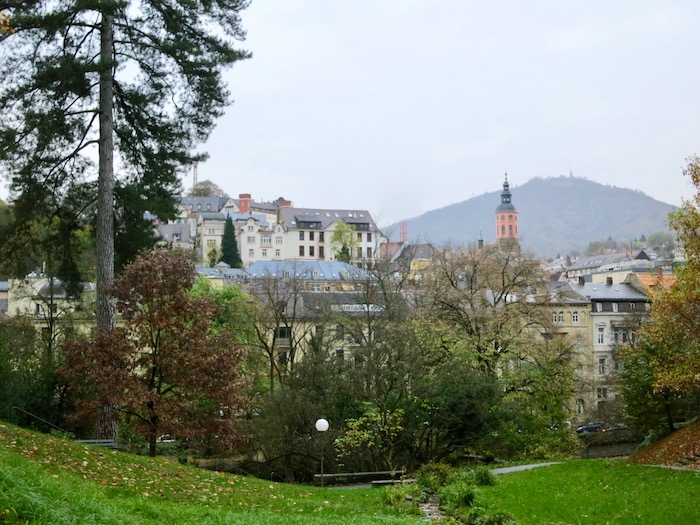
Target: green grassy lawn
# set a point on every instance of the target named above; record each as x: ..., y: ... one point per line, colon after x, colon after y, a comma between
x: 597, y: 492
x: 50, y: 480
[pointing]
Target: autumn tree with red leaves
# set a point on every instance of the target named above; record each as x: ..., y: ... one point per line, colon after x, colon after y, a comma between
x: 166, y: 370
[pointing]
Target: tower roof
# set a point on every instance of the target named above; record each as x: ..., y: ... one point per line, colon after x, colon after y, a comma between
x: 506, y: 205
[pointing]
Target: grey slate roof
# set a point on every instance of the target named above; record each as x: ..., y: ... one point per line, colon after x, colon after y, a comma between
x: 293, y: 217
x: 596, y: 261
x: 182, y: 230
x: 324, y: 270
x: 199, y: 204
x: 606, y: 292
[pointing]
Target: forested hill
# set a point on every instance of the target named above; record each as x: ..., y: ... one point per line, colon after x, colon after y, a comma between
x: 556, y: 215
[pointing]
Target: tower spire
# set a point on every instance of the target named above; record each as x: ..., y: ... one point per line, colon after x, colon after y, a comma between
x: 506, y: 214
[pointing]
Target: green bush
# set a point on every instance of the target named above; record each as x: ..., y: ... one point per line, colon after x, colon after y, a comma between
x: 457, y: 495
x: 484, y: 477
x: 432, y: 476
x: 402, y: 497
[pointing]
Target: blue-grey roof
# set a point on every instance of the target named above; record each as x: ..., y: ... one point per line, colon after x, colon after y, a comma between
x: 608, y: 292
x: 200, y: 203
x: 293, y: 217
x: 223, y: 271
x: 596, y: 261
x: 311, y: 270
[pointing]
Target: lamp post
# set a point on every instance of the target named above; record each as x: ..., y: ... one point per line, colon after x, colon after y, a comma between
x: 322, y: 426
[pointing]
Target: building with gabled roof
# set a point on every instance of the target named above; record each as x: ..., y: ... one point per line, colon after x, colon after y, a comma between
x: 651, y: 283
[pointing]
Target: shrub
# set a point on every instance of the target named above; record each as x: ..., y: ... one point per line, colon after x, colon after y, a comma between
x: 402, y: 497
x: 484, y: 477
x: 432, y: 476
x: 457, y: 495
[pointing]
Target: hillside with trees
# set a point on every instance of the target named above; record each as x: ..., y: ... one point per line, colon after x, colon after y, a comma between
x: 557, y: 215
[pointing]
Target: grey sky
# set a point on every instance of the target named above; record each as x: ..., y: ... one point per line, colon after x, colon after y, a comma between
x: 404, y: 106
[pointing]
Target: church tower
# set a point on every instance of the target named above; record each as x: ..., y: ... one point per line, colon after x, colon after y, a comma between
x: 506, y: 216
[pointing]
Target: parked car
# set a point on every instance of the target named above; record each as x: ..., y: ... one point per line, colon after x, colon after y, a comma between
x: 592, y: 426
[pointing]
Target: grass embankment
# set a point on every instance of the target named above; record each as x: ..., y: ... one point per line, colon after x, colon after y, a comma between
x: 50, y: 480
x: 596, y: 492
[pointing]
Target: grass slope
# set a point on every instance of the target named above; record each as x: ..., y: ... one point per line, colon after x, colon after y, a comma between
x: 45, y: 479
x: 597, y: 492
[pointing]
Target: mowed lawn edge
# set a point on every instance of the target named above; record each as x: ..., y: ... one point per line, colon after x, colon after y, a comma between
x: 597, y: 492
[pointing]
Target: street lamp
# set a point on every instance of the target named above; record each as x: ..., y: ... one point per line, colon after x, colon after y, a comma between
x: 322, y: 426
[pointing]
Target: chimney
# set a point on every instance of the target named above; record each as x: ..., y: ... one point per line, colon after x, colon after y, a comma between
x: 660, y: 271
x: 285, y: 204
x: 608, y: 281
x: 244, y: 201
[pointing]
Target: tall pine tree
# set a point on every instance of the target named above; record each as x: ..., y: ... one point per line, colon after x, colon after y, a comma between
x: 229, y: 246
x: 93, y: 87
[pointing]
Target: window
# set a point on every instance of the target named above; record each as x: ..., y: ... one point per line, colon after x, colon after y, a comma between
x: 250, y: 228
x: 211, y: 243
x: 312, y: 251
x: 574, y: 317
x: 602, y: 393
x: 601, y: 366
x: 311, y: 236
x: 580, y: 406
x: 369, y: 253
x: 601, y: 335
x: 598, y: 307
x: 301, y: 236
x: 614, y: 307
x: 359, y: 236
x: 284, y: 332
x: 320, y: 236
x: 510, y: 229
x: 359, y: 252
x: 277, y: 254
x: 616, y: 336
x: 340, y: 354
x: 264, y: 252
x: 315, y: 287
x: 321, y: 253
x: 633, y: 306
x: 278, y: 240
x: 251, y: 239
x: 560, y: 318
x: 266, y: 239
x: 503, y: 217
x: 503, y: 230
x: 369, y: 236
x: 301, y: 251
x: 251, y: 254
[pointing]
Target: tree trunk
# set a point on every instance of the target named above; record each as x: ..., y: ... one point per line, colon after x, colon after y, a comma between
x: 104, y: 231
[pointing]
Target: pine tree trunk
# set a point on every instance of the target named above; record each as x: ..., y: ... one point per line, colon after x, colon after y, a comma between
x: 104, y: 230
x: 105, y: 193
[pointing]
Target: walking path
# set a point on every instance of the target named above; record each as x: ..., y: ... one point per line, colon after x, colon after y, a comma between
x: 507, y: 470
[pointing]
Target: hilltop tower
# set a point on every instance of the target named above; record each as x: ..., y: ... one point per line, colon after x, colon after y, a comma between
x: 506, y: 216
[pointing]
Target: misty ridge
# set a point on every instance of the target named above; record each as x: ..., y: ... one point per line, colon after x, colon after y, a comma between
x: 557, y: 215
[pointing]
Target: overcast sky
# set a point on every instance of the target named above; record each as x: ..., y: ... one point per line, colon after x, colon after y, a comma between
x: 404, y: 106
